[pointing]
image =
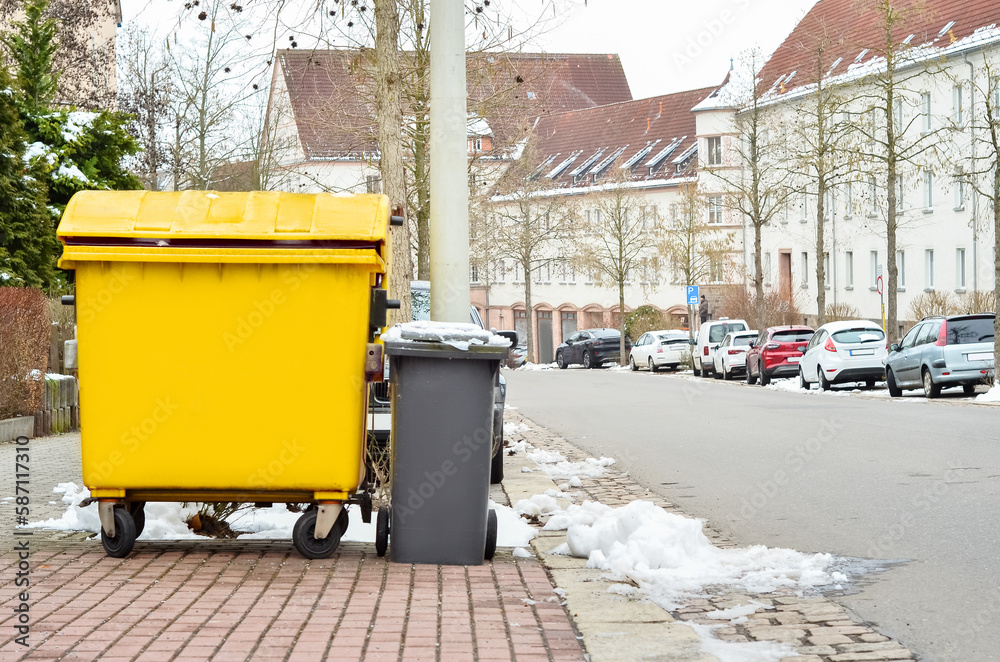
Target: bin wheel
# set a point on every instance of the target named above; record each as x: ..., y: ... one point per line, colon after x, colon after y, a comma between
x: 309, y: 546
x: 120, y: 546
x: 491, y: 535
x: 343, y: 520
x: 382, y: 531
x: 137, y: 509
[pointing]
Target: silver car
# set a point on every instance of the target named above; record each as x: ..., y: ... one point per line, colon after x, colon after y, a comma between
x: 941, y: 352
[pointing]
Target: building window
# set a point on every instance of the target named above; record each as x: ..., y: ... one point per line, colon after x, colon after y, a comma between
x: 899, y: 192
x: 929, y: 269
x: 925, y: 111
x: 873, y: 269
x: 804, y: 208
x: 928, y: 190
x: 805, y: 269
x: 897, y: 113
x: 474, y: 274
x: 959, y: 192
x: 518, y: 272
x: 900, y: 269
x: 872, y: 197
x: 501, y: 276
x: 848, y: 200
x: 826, y: 270
x: 568, y: 272
x: 958, y: 105
x: 673, y: 211
x: 715, y: 209
x: 373, y: 184
x: 715, y: 151
x: 766, y: 267
x: 717, y: 269
x: 849, y: 269
x: 996, y: 98
x: 960, y: 268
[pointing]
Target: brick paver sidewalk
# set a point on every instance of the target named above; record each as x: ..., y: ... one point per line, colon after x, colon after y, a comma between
x: 228, y: 600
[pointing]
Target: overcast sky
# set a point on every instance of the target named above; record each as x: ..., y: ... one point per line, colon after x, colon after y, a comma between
x: 665, y: 45
x: 674, y: 45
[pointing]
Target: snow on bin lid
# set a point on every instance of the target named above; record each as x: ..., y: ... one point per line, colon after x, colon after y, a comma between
x: 207, y: 215
x: 460, y: 336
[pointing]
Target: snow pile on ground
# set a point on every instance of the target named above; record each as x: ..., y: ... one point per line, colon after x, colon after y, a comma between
x: 461, y: 336
x: 536, y: 366
x: 729, y: 651
x: 792, y: 386
x: 538, y: 505
x: 589, y: 468
x: 992, y: 395
x: 545, y: 457
x: 671, y: 559
x: 572, y: 482
x: 168, y: 521
x: 512, y: 530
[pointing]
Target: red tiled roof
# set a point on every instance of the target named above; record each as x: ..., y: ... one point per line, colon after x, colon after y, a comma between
x: 632, y: 125
x: 850, y: 26
x: 332, y: 94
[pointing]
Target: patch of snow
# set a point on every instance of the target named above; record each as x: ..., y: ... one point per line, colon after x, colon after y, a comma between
x: 736, y: 613
x: 512, y: 530
x: 515, y: 428
x: 460, y: 336
x: 545, y: 457
x: 528, y: 470
x: 671, y: 559
x: 522, y: 553
x: 590, y: 468
x: 71, y: 172
x: 992, y: 395
x: 76, y: 122
x: 538, y: 505
x: 528, y: 367
x: 37, y: 149
x: 730, y: 651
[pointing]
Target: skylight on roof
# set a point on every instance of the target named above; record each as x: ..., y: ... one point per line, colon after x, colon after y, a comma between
x: 861, y: 55
x: 835, y: 64
x: 582, y: 168
x: 945, y: 29
x: 558, y: 170
x: 602, y: 166
x: 655, y: 162
x: 641, y: 154
x: 909, y: 39
x: 545, y: 164
x: 687, y: 154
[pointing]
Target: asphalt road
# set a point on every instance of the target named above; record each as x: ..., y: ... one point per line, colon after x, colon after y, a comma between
x: 856, y: 476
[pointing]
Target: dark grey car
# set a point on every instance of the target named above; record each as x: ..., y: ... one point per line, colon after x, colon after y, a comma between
x: 941, y: 352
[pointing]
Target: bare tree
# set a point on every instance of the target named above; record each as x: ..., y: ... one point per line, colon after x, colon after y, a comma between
x: 616, y: 244
x: 689, y: 244
x: 756, y: 183
x: 531, y: 227
x: 890, y: 144
x: 145, y: 92
x: 821, y: 148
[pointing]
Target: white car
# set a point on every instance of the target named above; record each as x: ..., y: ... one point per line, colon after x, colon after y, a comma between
x: 839, y: 352
x: 710, y: 335
x: 731, y: 357
x: 660, y: 349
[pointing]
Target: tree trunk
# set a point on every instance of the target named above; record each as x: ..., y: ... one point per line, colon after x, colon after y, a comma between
x: 529, y: 334
x: 892, y: 326
x: 758, y: 280
x: 390, y: 121
x: 821, y: 252
x: 423, y: 210
x: 996, y: 262
x: 622, y: 358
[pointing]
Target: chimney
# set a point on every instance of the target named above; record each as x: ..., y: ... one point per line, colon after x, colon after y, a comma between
x: 649, y: 123
x: 661, y: 109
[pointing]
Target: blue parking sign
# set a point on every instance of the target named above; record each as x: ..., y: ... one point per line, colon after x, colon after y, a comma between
x: 692, y: 295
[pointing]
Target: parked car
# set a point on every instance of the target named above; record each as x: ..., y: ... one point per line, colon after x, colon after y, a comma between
x: 591, y: 347
x: 518, y: 355
x: 942, y: 352
x: 659, y: 349
x: 710, y: 336
x: 839, y: 352
x: 776, y: 353
x: 731, y: 357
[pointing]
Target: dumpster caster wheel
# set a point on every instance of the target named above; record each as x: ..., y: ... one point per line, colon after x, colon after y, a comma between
x: 491, y: 535
x: 307, y: 544
x: 120, y: 546
x: 137, y: 509
x: 382, y: 531
x: 343, y: 519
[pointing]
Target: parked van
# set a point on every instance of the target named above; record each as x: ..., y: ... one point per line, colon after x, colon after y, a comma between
x: 710, y: 336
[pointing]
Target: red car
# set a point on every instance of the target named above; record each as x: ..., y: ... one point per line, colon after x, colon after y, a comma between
x: 776, y: 353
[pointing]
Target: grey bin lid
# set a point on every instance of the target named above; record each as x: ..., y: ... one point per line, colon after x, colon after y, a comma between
x: 440, y: 350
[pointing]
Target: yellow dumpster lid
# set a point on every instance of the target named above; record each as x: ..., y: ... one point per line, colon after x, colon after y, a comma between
x: 210, y: 218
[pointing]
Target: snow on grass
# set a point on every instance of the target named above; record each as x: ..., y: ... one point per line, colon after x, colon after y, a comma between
x: 729, y: 651
x: 670, y: 558
x: 992, y: 395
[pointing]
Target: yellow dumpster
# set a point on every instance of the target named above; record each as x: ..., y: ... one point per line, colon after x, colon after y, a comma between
x: 225, y: 340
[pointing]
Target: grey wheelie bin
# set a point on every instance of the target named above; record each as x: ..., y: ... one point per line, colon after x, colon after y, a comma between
x: 442, y: 422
